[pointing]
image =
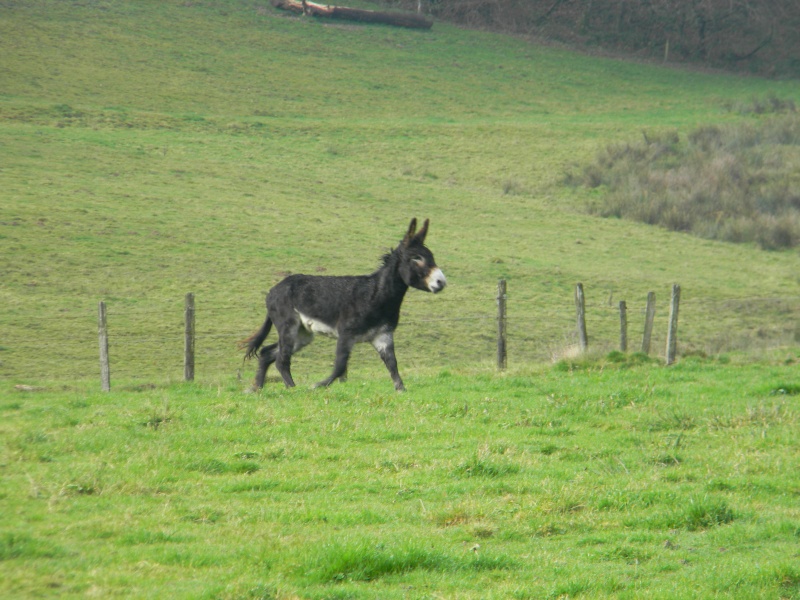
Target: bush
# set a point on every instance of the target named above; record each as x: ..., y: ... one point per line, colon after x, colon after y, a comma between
x: 758, y: 106
x: 737, y: 183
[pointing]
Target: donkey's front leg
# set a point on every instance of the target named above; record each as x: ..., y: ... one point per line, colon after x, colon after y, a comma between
x: 344, y: 346
x: 384, y: 344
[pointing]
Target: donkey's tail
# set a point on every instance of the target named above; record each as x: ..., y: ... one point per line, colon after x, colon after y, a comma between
x: 253, y: 343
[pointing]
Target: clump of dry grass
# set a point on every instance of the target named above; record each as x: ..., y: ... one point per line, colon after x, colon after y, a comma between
x: 738, y: 183
x: 771, y: 104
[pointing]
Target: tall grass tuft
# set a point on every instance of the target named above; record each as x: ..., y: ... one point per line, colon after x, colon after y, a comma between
x: 788, y: 577
x: 483, y: 464
x: 701, y: 513
x: 771, y: 104
x: 368, y: 561
x: 23, y: 546
x: 738, y: 183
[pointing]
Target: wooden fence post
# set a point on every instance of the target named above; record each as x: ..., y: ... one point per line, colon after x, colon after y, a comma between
x: 102, y: 329
x: 623, y: 326
x: 672, y: 334
x: 580, y: 309
x: 501, y: 325
x: 650, y: 314
x: 188, y: 345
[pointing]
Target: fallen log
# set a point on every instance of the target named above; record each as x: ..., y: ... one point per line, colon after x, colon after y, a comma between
x: 354, y: 14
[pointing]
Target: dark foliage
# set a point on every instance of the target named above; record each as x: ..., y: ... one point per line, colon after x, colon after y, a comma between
x: 759, y: 37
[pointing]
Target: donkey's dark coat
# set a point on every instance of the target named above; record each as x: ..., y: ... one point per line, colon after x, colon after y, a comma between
x: 353, y: 309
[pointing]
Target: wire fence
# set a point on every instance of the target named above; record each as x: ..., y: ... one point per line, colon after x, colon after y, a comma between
x: 146, y: 339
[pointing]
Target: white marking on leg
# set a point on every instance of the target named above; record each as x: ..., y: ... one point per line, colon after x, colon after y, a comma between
x: 383, y: 341
x: 436, y: 280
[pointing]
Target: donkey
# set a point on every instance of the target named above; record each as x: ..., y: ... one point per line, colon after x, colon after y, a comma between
x: 352, y: 309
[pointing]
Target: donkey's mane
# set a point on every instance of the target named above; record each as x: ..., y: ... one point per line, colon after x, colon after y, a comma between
x: 389, y: 257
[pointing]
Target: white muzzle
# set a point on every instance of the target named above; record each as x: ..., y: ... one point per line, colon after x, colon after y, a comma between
x: 436, y: 280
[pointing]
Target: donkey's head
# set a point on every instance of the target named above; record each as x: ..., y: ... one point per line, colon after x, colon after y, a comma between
x: 417, y: 267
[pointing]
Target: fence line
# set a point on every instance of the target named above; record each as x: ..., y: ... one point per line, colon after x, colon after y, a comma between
x: 140, y: 346
x: 41, y: 320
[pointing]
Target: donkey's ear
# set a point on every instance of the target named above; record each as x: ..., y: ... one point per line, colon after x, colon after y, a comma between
x: 420, y: 236
x: 412, y: 229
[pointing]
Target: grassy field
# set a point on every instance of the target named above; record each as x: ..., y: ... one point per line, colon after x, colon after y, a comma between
x: 597, y: 479
x: 150, y: 149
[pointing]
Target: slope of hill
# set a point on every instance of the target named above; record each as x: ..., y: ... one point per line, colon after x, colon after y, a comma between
x: 154, y: 148
x: 151, y: 149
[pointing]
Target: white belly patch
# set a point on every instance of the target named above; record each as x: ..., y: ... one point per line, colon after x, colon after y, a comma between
x: 380, y: 337
x: 316, y: 326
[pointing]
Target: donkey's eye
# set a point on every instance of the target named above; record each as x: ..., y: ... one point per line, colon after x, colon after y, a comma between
x: 419, y: 261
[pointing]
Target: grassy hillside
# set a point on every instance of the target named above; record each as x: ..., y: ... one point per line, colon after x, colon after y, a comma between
x: 151, y: 149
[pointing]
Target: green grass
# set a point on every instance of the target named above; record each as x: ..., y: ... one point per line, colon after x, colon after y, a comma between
x: 605, y: 481
x: 152, y: 149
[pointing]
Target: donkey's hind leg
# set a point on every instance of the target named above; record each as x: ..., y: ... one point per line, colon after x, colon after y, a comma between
x: 343, y: 348
x: 266, y: 357
x: 283, y: 363
x: 293, y: 338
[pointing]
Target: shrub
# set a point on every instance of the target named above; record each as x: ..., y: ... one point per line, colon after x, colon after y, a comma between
x: 737, y: 183
x: 769, y: 105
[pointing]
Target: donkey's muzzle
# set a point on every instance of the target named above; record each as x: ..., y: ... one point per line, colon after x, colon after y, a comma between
x: 436, y: 281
